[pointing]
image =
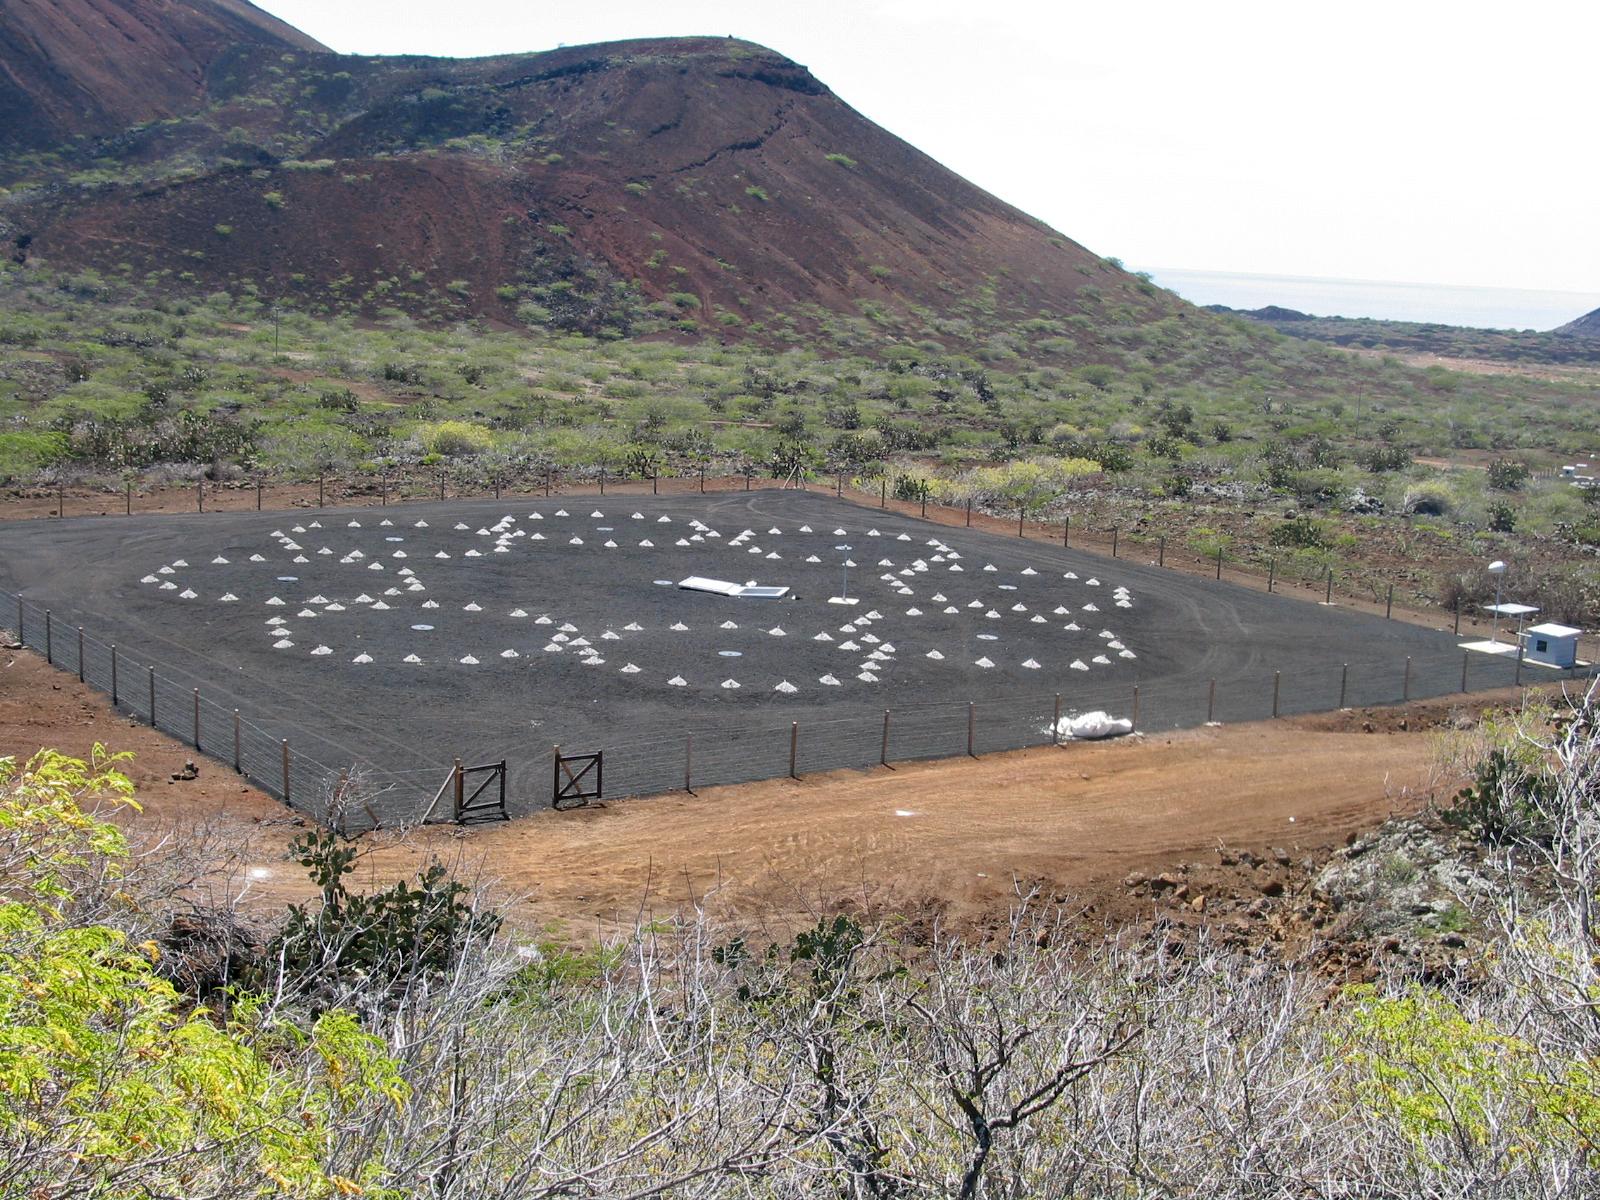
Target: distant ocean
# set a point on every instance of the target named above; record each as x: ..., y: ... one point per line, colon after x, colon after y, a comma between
x: 1480, y: 307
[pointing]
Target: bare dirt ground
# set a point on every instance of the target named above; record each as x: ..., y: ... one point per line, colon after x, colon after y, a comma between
x: 949, y: 840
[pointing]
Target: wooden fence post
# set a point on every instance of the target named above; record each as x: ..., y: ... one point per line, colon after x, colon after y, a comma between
x: 1211, y: 703
x: 1133, y: 721
x: 1272, y: 575
x: 972, y: 720
x: 883, y: 753
x: 883, y: 490
x: 197, y: 718
x: 1458, y: 617
x: 322, y: 482
x: 80, y: 653
x: 286, y: 770
x: 127, y: 498
x: 1055, y: 724
x: 236, y: 768
x: 1405, y: 689
x: 1344, y: 679
x: 460, y: 790
x: 152, y: 672
x: 49, y: 641
x: 113, y: 674
x: 1161, y: 552
x: 1219, y: 563
x: 200, y: 495
x: 688, y: 763
x: 1114, y: 532
x: 794, y: 748
x: 1388, y: 606
x: 1277, y: 679
x: 258, y: 495
x: 1021, y: 511
x: 1328, y: 596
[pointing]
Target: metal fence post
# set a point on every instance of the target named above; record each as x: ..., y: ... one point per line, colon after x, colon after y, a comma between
x: 883, y: 490
x: 702, y: 479
x: 1328, y: 596
x: 441, y: 485
x: 1277, y: 679
x: 1133, y: 722
x: 688, y: 763
x: 80, y: 653
x: 794, y: 748
x: 20, y: 637
x: 200, y: 495
x: 1021, y: 512
x: 1161, y: 553
x: 1219, y: 562
x: 1344, y: 680
x: 883, y: 754
x: 1066, y: 532
x: 1465, y: 656
x: 1388, y: 605
x: 1519, y: 660
x: 286, y: 770
x: 1405, y: 690
x: 1211, y: 703
x: 602, y: 480
x: 197, y: 718
x: 460, y: 790
x: 383, y: 488
x: 972, y: 720
x: 1458, y: 617
x: 655, y: 482
x: 152, y: 671
x: 1055, y: 725
x: 49, y: 645
x: 236, y: 767
x: 61, y: 500
x: 127, y: 498
x: 1114, y: 541
x: 258, y: 495
x: 1272, y: 574
x: 113, y: 674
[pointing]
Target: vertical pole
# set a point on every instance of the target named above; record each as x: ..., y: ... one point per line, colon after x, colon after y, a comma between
x: 1161, y: 552
x: 1114, y: 532
x: 1465, y: 656
x: 196, y: 718
x: 1405, y: 687
x: 747, y: 480
x: 1344, y: 680
x: 460, y: 789
x: 655, y: 482
x: 794, y: 748
x: 236, y: 768
x: 258, y: 495
x: 49, y: 643
x: 127, y: 498
x: 924, y: 501
x: 80, y: 653
x: 152, y: 671
x: 200, y: 495
x: 1066, y: 532
x: 113, y: 674
x: 441, y: 485
x: 1272, y: 574
x: 383, y: 489
x: 688, y: 763
x: 20, y: 636
x: 1211, y: 703
x: 286, y: 770
x: 497, y: 487
x: 1055, y: 724
x: 969, y: 512
x: 1327, y: 597
x: 1277, y: 679
x: 972, y: 720
x: 883, y: 754
x: 883, y: 492
x: 1133, y: 721
x: 61, y: 500
x: 1519, y: 660
x: 555, y: 774
x: 838, y: 487
x: 547, y: 482
x: 1219, y: 562
x: 1388, y: 607
x: 322, y: 482
x: 1458, y: 617
x: 602, y: 480
x: 1020, y: 511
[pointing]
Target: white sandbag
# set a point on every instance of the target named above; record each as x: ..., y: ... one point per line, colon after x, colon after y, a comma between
x: 1091, y: 725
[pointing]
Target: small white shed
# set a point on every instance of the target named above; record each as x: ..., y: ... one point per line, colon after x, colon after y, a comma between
x: 1551, y: 644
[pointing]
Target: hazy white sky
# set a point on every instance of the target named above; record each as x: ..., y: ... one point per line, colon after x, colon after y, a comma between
x: 1415, y: 140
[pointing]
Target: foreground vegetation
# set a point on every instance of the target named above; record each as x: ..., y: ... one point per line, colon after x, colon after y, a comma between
x: 405, y: 1044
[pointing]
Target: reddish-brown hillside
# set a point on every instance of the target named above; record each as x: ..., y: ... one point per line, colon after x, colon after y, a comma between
x: 70, y: 67
x: 703, y: 182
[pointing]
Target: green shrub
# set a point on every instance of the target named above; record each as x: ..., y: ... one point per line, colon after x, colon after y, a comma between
x: 843, y: 160
x: 456, y: 438
x: 757, y: 193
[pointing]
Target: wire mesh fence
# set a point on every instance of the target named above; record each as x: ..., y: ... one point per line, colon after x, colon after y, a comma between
x: 333, y: 785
